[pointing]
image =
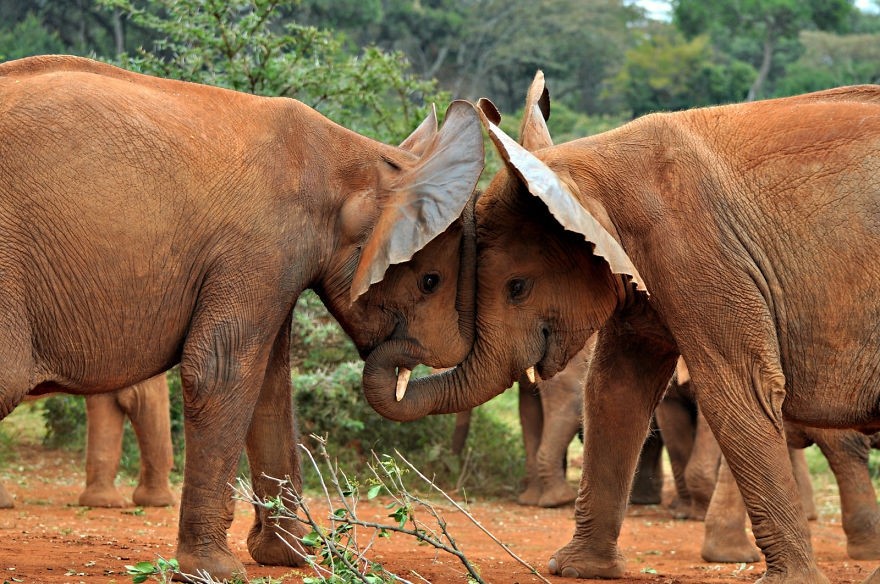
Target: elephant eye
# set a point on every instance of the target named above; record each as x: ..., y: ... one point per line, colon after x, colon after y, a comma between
x: 429, y: 282
x: 518, y: 289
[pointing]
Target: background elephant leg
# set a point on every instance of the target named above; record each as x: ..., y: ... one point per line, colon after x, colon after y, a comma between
x: 562, y: 420
x: 847, y: 454
x: 725, y: 538
x: 105, y: 420
x: 272, y: 448
x: 461, y: 431
x: 701, y: 472
x: 804, y: 483
x: 676, y: 419
x: 648, y: 481
x: 6, y: 501
x: 531, y: 417
x: 147, y: 406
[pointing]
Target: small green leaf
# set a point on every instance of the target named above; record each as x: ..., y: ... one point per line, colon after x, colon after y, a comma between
x: 374, y: 491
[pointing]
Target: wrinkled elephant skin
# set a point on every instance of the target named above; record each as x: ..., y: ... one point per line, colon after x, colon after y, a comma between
x: 741, y: 237
x: 146, y: 222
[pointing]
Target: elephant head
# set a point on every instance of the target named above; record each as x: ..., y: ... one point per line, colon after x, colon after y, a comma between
x: 405, y: 265
x: 550, y: 272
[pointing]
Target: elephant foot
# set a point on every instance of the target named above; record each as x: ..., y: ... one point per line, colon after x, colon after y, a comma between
x: 873, y: 578
x: 729, y: 547
x: 221, y: 565
x: 531, y: 495
x: 6, y: 501
x: 144, y: 496
x: 574, y: 561
x: 809, y: 576
x: 863, y: 548
x: 698, y: 511
x: 680, y: 508
x: 557, y: 494
x: 101, y: 496
x: 277, y: 548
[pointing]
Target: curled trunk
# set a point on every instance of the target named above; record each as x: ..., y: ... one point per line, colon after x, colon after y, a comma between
x: 474, y: 382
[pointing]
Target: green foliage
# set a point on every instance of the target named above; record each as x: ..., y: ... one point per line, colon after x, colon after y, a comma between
x: 162, y: 571
x: 28, y: 37
x: 666, y: 72
x: 831, y: 60
x: 246, y: 45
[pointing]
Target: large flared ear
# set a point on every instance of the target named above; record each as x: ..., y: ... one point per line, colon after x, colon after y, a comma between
x: 421, y: 202
x: 563, y: 205
x: 533, y: 131
x: 421, y: 137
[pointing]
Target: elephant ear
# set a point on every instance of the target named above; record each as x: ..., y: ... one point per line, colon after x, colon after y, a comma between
x: 533, y: 131
x: 421, y: 202
x: 422, y: 136
x: 565, y: 207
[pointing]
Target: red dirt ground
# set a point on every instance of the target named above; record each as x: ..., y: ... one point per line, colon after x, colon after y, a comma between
x: 46, y: 539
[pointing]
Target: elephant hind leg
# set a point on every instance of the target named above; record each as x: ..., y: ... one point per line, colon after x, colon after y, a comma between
x: 6, y: 501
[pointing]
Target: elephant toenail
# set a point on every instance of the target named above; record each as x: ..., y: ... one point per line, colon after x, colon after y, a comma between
x: 552, y: 566
x: 570, y: 573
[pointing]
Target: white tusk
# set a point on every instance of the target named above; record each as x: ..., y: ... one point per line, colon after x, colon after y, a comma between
x: 402, y: 379
x: 530, y: 373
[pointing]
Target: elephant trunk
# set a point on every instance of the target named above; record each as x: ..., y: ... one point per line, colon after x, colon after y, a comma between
x: 475, y: 381
x: 465, y: 300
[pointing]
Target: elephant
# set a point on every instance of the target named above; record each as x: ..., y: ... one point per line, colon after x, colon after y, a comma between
x: 148, y: 222
x: 740, y: 237
x: 718, y: 499
x: 550, y: 413
x: 146, y: 405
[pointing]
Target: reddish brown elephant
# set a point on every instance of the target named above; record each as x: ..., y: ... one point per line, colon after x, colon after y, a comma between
x: 704, y: 478
x: 741, y: 237
x: 146, y: 405
x: 146, y: 222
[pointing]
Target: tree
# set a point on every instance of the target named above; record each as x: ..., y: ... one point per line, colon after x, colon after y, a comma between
x: 248, y: 45
x: 765, y: 25
x: 666, y: 72
x: 831, y: 60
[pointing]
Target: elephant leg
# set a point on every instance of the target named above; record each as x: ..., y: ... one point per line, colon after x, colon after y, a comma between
x: 273, y: 454
x: 725, y: 538
x: 626, y: 380
x: 676, y: 419
x: 461, y: 431
x: 648, y: 481
x: 223, y: 367
x: 147, y: 406
x: 701, y: 472
x: 804, y: 483
x: 531, y: 417
x: 105, y: 419
x: 741, y: 400
x: 562, y: 406
x: 847, y: 453
x: 6, y: 501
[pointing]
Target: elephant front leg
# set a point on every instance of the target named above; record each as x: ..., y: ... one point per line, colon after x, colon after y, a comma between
x: 273, y: 454
x: 622, y: 389
x: 105, y: 420
x: 742, y: 404
x: 147, y: 406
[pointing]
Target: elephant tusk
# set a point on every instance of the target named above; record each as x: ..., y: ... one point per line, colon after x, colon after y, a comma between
x: 530, y: 373
x: 402, y: 379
